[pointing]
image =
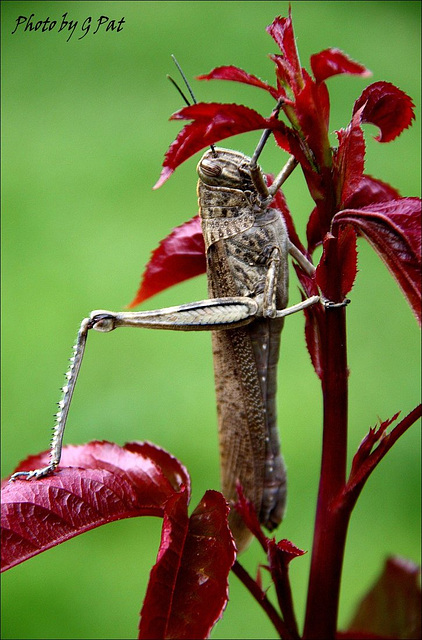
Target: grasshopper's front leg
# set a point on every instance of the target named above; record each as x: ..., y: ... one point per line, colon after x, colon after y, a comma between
x: 205, y: 315
x: 269, y: 304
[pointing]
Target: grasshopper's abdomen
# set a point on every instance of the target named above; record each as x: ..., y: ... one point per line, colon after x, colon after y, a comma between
x: 240, y: 237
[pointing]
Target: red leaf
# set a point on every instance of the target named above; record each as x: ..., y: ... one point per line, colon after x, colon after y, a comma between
x: 368, y: 191
x: 392, y: 607
x: 178, y: 257
x: 211, y: 122
x: 348, y: 161
x: 279, y: 556
x: 280, y: 203
x: 331, y: 62
x: 284, y: 74
x: 313, y: 111
x: 368, y: 456
x: 387, y: 107
x: 348, y: 259
x: 393, y: 228
x: 336, y: 271
x: 313, y: 320
x: 101, y: 482
x: 288, y: 551
x: 157, y: 607
x: 284, y: 137
x: 281, y: 30
x: 246, y: 509
x: 238, y: 75
x: 191, y: 574
x: 96, y: 483
x: 367, y: 445
x: 313, y: 230
x: 313, y: 340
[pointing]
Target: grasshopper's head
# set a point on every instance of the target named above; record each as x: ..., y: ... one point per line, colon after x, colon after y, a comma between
x: 225, y: 168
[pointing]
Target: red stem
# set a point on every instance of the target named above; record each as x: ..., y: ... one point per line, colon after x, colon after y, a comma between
x: 331, y: 523
x: 263, y: 601
x: 285, y: 601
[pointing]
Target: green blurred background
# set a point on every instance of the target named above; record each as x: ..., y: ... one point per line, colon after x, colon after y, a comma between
x: 85, y: 128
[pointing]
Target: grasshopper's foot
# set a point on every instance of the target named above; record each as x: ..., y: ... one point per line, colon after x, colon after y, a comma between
x: 37, y: 473
x: 329, y: 304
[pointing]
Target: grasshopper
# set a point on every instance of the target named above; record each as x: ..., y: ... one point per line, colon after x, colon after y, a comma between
x: 247, y: 248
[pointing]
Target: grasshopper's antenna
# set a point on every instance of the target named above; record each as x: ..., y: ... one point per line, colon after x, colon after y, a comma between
x: 266, y: 134
x: 185, y: 80
x: 267, y: 194
x: 174, y: 83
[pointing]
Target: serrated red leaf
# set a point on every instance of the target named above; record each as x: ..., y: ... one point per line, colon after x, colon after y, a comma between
x: 284, y: 137
x: 235, y: 74
x: 371, y: 451
x: 313, y: 230
x: 371, y: 439
x: 281, y: 30
x: 157, y: 606
x: 280, y: 203
x: 101, y: 482
x: 338, y: 263
x: 284, y: 74
x: 313, y: 113
x: 247, y: 511
x: 349, y: 160
x: 313, y: 320
x: 393, y: 228
x: 314, y: 340
x: 95, y: 484
x: 386, y: 106
x: 192, y: 578
x: 331, y: 62
x: 368, y: 191
x: 279, y: 556
x: 212, y: 122
x: 348, y: 259
x: 180, y: 256
x: 392, y: 607
x: 288, y: 550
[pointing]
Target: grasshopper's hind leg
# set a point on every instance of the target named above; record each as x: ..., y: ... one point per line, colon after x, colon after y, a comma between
x: 205, y: 315
x: 64, y: 405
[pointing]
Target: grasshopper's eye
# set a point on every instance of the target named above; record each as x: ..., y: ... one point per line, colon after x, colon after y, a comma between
x: 211, y: 169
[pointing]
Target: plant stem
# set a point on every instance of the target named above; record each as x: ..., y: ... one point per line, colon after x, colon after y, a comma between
x: 262, y: 600
x: 285, y: 600
x: 331, y: 523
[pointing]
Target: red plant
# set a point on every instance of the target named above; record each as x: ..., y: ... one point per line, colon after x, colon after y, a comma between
x: 101, y: 482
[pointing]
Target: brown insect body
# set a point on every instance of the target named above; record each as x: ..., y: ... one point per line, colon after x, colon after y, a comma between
x: 246, y: 249
x: 240, y: 234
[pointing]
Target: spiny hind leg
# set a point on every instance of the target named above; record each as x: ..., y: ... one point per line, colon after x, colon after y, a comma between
x: 64, y: 405
x: 205, y: 315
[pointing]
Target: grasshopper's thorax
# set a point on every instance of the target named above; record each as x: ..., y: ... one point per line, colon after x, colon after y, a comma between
x: 228, y: 200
